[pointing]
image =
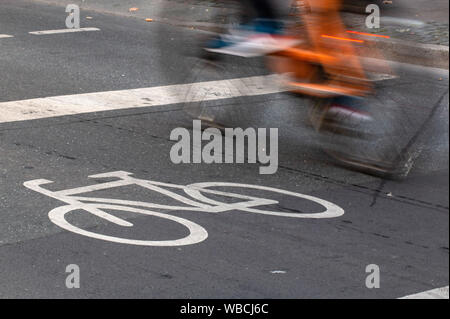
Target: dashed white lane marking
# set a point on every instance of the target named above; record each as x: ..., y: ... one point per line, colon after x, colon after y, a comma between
x: 44, y: 32
x: 135, y: 98
x: 6, y: 36
x: 439, y: 293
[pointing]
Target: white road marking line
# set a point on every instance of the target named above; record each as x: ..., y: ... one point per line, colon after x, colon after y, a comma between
x: 401, y: 21
x: 6, y: 36
x: 136, y: 98
x: 439, y: 293
x: 44, y: 32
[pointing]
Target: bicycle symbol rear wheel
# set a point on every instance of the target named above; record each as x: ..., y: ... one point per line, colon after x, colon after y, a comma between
x: 196, y: 235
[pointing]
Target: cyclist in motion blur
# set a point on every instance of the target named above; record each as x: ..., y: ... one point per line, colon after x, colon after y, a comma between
x: 262, y: 32
x: 322, y: 60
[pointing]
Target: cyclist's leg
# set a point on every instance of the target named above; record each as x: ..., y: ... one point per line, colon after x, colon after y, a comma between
x: 347, y: 111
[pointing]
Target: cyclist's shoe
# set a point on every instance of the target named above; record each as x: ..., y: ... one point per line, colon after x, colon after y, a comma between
x: 259, y: 38
x: 348, y: 115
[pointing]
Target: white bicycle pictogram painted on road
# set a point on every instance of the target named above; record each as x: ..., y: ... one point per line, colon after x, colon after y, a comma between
x: 195, y: 201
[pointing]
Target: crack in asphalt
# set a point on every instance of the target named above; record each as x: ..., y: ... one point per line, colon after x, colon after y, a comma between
x: 366, y: 190
x: 420, y: 131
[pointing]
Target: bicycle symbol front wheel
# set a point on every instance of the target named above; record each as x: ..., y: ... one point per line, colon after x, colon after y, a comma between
x: 196, y: 235
x: 198, y: 190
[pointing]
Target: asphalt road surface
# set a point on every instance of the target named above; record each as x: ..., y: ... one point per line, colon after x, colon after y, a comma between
x: 400, y: 226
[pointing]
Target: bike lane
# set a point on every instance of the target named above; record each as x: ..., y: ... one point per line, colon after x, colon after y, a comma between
x: 400, y: 226
x: 245, y: 255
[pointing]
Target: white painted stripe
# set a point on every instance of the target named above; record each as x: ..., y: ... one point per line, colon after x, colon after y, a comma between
x: 6, y: 36
x: 439, y: 293
x: 63, y: 31
x: 401, y: 21
x: 136, y: 98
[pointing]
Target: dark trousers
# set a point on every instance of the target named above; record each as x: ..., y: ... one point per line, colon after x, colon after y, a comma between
x: 261, y: 9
